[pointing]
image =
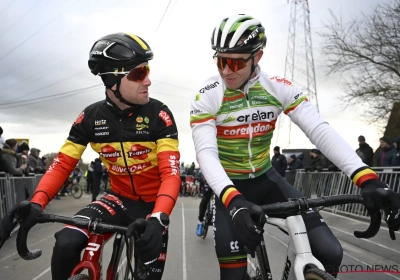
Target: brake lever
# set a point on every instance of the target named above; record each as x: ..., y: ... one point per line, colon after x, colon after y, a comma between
x: 250, y: 252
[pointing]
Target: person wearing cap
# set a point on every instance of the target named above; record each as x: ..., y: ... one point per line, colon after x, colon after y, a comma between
x: 365, y: 152
x: 34, y: 160
x: 294, y: 163
x: 279, y: 162
x: 22, y: 156
x: 386, y: 152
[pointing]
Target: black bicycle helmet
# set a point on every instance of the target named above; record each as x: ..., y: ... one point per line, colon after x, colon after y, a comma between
x: 117, y: 52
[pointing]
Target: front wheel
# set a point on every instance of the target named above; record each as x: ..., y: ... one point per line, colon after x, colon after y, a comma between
x: 256, y: 268
x: 80, y: 277
x: 76, y: 191
x: 317, y: 274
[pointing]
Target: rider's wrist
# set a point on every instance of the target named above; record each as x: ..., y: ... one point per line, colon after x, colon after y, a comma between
x: 228, y: 195
x: 363, y: 175
x: 161, y: 217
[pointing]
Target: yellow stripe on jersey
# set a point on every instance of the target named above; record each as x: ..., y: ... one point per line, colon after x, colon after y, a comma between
x: 72, y: 149
x: 167, y: 144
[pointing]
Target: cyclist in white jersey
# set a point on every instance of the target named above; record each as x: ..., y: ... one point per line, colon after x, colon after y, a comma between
x: 233, y: 116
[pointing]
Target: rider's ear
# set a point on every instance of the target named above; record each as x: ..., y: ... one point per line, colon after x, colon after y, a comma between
x: 258, y: 56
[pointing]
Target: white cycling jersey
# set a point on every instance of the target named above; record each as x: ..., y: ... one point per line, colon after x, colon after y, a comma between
x: 232, y: 129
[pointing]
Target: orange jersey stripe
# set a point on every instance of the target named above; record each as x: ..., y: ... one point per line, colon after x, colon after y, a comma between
x: 202, y: 120
x: 233, y: 98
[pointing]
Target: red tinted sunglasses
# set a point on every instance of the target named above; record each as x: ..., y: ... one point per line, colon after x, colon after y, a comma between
x: 137, y: 74
x: 235, y: 64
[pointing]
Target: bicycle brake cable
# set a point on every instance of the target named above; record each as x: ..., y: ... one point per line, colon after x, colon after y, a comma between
x: 128, y: 257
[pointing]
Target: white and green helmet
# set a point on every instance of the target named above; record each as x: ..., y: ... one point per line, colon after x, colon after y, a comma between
x: 238, y: 34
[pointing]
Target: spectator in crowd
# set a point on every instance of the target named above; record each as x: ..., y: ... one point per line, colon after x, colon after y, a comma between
x: 2, y: 140
x: 318, y: 160
x: 3, y: 165
x: 183, y: 172
x: 33, y: 159
x: 9, y: 155
x: 191, y: 169
x: 279, y: 161
x: 22, y: 157
x: 183, y: 169
x: 396, y: 155
x: 365, y: 152
x: 97, y: 174
x: 294, y: 163
x: 43, y: 164
x: 385, y: 153
x: 89, y: 177
x: 104, y: 178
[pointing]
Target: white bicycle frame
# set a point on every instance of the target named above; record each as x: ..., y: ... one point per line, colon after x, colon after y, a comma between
x: 298, y: 254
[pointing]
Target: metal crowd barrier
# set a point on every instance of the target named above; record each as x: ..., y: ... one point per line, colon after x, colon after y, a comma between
x: 13, y: 190
x: 326, y: 183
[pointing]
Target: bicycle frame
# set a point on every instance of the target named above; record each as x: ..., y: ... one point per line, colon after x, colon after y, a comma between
x: 92, y: 259
x: 298, y: 254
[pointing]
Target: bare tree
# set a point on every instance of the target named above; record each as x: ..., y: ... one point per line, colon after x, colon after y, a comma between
x: 367, y: 54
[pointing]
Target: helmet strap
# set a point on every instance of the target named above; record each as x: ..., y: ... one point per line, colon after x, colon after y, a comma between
x: 253, y: 67
x: 118, y: 95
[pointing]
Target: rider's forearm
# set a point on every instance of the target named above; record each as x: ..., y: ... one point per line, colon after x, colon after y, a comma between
x: 57, y: 173
x: 206, y: 148
x: 168, y: 167
x: 331, y: 143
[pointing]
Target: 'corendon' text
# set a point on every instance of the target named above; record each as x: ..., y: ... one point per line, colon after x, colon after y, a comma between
x: 132, y: 169
x: 247, y: 130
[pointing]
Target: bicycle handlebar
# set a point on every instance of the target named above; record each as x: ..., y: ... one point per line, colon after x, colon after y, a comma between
x: 302, y: 205
x: 91, y: 225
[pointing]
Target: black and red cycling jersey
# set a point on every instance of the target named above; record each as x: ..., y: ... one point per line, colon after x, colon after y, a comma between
x: 138, y: 146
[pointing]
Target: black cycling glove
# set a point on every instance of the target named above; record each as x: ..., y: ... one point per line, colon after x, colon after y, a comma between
x: 377, y: 195
x: 6, y: 225
x: 148, y: 246
x: 248, y: 220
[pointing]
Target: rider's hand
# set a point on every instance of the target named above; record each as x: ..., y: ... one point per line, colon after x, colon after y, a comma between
x: 30, y: 220
x: 370, y: 195
x: 392, y: 210
x: 6, y: 225
x: 148, y: 246
x: 248, y: 220
x: 375, y: 199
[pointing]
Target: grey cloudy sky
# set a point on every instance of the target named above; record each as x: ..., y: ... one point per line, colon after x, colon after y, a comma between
x: 45, y: 45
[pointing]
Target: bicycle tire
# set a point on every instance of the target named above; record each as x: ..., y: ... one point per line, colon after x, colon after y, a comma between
x: 193, y: 192
x: 255, y: 269
x: 187, y: 189
x: 317, y: 274
x: 80, y: 277
x: 205, y: 222
x: 76, y: 191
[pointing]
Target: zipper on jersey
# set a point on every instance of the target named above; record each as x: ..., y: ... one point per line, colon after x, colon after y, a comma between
x: 123, y: 155
x: 250, y: 138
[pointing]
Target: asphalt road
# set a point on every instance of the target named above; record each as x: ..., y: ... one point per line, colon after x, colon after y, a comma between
x: 190, y: 257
